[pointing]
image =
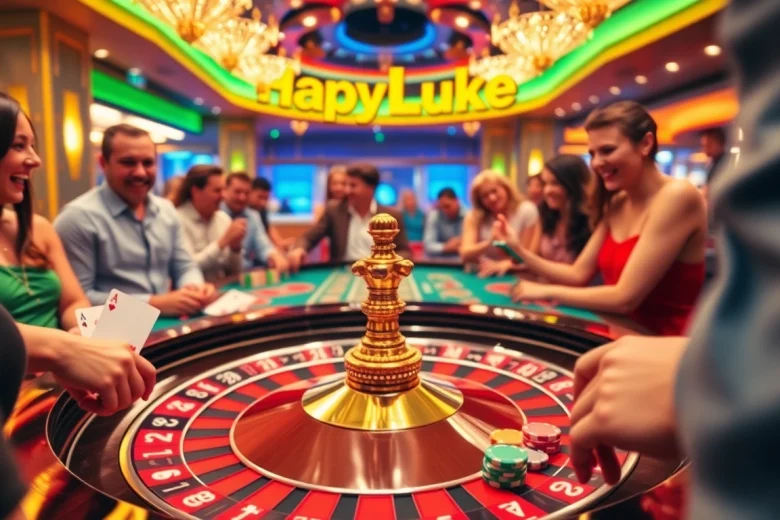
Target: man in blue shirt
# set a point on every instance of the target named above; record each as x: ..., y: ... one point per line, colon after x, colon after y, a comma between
x: 258, y: 249
x: 444, y: 226
x: 119, y: 235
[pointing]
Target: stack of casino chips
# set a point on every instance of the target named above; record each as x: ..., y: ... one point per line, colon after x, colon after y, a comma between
x: 504, y: 466
x: 542, y: 437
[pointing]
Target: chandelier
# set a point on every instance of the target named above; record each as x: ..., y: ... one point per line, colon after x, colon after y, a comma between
x: 517, y: 67
x: 590, y: 12
x: 228, y: 41
x: 542, y: 37
x: 263, y: 69
x: 192, y: 18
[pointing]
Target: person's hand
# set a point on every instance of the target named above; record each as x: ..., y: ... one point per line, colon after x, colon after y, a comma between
x: 75, y: 330
x: 501, y: 230
x: 103, y: 376
x: 624, y: 398
x: 206, y: 292
x: 287, y: 243
x: 279, y: 262
x: 452, y: 245
x: 295, y: 258
x: 488, y: 267
x: 234, y: 235
x: 183, y: 302
x: 526, y: 290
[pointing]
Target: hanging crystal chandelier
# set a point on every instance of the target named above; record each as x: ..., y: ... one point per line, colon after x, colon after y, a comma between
x: 193, y: 18
x: 590, y: 12
x: 228, y: 41
x: 517, y: 67
x: 541, y: 36
x: 263, y: 69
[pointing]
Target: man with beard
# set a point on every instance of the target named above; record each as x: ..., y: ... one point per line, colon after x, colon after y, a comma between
x: 119, y: 235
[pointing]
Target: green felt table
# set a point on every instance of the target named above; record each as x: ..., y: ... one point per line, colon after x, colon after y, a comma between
x: 427, y: 284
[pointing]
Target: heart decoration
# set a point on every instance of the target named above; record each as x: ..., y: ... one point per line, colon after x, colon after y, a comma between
x: 299, y: 127
x: 111, y: 306
x: 471, y: 128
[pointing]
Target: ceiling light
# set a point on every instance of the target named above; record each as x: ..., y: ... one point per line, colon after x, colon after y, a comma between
x: 134, y: 71
x: 192, y: 18
x: 101, y: 54
x: 560, y: 112
x: 198, y: 100
x: 475, y: 5
x: 216, y: 110
x: 309, y: 21
x: 712, y: 50
x: 673, y: 66
x: 462, y: 22
x: 615, y: 91
x: 576, y: 106
x: 641, y: 79
x: 593, y: 99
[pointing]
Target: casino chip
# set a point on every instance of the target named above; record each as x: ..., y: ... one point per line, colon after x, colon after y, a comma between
x: 507, y: 436
x: 504, y: 466
x: 537, y: 460
x: 541, y: 432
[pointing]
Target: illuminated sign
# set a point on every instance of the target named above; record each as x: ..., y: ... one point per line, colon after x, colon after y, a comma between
x: 336, y: 101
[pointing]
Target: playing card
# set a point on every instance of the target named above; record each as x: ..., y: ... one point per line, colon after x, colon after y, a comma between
x: 87, y: 319
x: 125, y: 318
x: 229, y: 303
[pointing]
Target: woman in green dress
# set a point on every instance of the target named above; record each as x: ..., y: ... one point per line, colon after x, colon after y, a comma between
x: 37, y: 283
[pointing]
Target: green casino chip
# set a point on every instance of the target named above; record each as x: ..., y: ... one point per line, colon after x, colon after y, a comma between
x: 502, y: 473
x: 504, y: 456
x: 506, y: 485
x: 503, y: 480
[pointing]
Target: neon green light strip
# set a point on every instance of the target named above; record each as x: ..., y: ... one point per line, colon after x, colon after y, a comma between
x: 116, y: 92
x: 634, y: 18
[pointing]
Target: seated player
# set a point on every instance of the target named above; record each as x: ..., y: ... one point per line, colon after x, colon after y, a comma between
x: 257, y: 248
x: 37, y: 284
x: 121, y: 236
x: 345, y: 222
x: 649, y: 245
x: 492, y: 195
x: 444, y: 226
x: 563, y: 212
x: 171, y: 188
x: 716, y: 397
x: 102, y: 376
x: 210, y: 235
x: 414, y: 217
x: 534, y: 189
x: 335, y: 188
x: 258, y: 201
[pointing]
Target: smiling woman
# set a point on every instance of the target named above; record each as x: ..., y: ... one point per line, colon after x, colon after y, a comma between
x: 37, y: 284
x: 649, y: 243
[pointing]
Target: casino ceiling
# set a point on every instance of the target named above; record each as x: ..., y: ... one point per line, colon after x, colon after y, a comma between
x: 402, y: 62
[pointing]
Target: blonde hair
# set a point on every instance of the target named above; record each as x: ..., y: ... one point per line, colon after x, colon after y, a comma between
x: 513, y: 196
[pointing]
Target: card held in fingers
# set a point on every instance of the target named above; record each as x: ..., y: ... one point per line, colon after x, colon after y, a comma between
x: 87, y: 318
x: 125, y: 318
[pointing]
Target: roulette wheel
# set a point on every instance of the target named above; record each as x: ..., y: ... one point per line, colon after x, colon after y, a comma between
x: 371, y: 410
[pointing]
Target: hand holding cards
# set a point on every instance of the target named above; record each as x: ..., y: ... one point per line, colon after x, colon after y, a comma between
x: 122, y: 318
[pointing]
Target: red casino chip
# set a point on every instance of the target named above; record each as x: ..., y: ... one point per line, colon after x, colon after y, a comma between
x: 541, y: 432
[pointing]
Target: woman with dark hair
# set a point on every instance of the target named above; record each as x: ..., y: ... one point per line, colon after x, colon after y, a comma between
x: 563, y: 210
x: 335, y: 188
x: 37, y: 283
x: 650, y: 237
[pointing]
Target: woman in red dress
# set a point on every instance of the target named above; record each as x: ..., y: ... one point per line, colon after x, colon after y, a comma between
x: 649, y: 234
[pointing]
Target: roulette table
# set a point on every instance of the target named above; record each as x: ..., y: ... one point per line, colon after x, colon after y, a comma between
x: 275, y: 413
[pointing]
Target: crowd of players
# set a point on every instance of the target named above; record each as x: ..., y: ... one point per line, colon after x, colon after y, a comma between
x: 643, y: 232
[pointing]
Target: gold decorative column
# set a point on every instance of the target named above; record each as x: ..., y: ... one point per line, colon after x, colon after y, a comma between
x: 383, y: 389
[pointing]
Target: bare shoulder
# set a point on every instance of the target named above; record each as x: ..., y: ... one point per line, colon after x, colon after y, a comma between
x: 679, y: 196
x: 42, y: 227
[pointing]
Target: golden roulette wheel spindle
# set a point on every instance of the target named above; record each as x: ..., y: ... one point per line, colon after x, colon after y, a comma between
x: 383, y: 389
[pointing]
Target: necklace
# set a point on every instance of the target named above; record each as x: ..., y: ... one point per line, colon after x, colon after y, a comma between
x: 23, y: 280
